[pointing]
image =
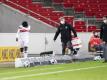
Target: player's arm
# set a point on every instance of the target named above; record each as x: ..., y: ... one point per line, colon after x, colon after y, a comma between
x: 73, y: 30
x: 57, y: 33
x: 17, y: 35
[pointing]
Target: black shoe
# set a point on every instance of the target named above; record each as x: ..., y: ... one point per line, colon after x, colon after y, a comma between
x: 74, y: 60
x: 105, y: 61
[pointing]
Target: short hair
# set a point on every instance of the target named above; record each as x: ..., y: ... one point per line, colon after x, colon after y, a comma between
x: 25, y: 24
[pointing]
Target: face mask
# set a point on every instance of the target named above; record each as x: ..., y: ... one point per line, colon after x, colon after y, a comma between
x: 105, y: 21
x: 62, y: 22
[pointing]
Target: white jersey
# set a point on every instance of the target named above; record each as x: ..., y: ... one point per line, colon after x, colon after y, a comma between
x: 23, y: 35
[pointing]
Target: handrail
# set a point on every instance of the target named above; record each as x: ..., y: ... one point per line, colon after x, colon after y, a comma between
x: 31, y: 11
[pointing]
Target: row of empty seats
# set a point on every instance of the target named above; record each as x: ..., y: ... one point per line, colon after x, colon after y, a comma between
x: 90, y: 7
x: 81, y: 3
x: 50, y: 15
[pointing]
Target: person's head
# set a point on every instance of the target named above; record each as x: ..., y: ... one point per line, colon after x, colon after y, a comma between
x: 25, y: 24
x: 62, y: 20
x: 105, y: 19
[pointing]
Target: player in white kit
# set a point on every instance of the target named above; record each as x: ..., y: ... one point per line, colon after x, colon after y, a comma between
x: 22, y: 38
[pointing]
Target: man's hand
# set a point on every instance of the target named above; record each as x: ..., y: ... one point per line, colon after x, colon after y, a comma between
x: 16, y: 39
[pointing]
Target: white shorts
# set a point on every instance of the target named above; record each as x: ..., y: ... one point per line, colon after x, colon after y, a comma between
x: 23, y: 40
x: 23, y: 43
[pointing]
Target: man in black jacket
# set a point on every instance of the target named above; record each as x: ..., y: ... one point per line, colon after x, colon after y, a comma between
x: 103, y: 36
x: 65, y: 30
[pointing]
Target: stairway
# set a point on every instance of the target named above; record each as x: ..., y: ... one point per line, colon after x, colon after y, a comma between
x: 49, y: 11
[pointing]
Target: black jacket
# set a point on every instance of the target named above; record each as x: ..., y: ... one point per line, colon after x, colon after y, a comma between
x: 103, y: 32
x: 65, y: 30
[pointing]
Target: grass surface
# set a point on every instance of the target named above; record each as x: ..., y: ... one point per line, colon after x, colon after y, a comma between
x: 90, y: 70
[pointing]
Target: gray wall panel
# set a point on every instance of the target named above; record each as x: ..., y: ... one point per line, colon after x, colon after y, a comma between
x: 10, y: 19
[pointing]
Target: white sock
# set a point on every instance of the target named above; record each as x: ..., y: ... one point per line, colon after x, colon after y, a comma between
x: 25, y: 54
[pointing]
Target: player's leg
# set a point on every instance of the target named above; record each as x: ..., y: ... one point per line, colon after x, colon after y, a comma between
x: 21, y: 47
x: 105, y: 52
x: 25, y: 51
x: 63, y: 48
x: 69, y: 45
x: 21, y: 51
x: 25, y: 48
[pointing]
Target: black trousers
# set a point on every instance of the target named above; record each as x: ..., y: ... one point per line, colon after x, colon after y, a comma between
x: 105, y: 51
x: 65, y: 45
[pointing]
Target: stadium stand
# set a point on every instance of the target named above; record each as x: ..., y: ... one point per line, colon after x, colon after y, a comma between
x: 49, y: 11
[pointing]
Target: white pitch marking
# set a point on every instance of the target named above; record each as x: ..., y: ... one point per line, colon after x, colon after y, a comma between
x: 55, y: 72
x: 31, y: 70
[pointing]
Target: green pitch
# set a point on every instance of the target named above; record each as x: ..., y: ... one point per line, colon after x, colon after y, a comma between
x: 90, y: 70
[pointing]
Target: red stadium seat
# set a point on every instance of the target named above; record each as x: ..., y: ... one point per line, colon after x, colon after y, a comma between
x: 57, y: 1
x: 91, y: 28
x: 91, y: 8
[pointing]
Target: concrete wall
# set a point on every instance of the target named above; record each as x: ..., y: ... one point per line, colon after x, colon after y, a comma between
x: 40, y: 42
x: 10, y: 19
